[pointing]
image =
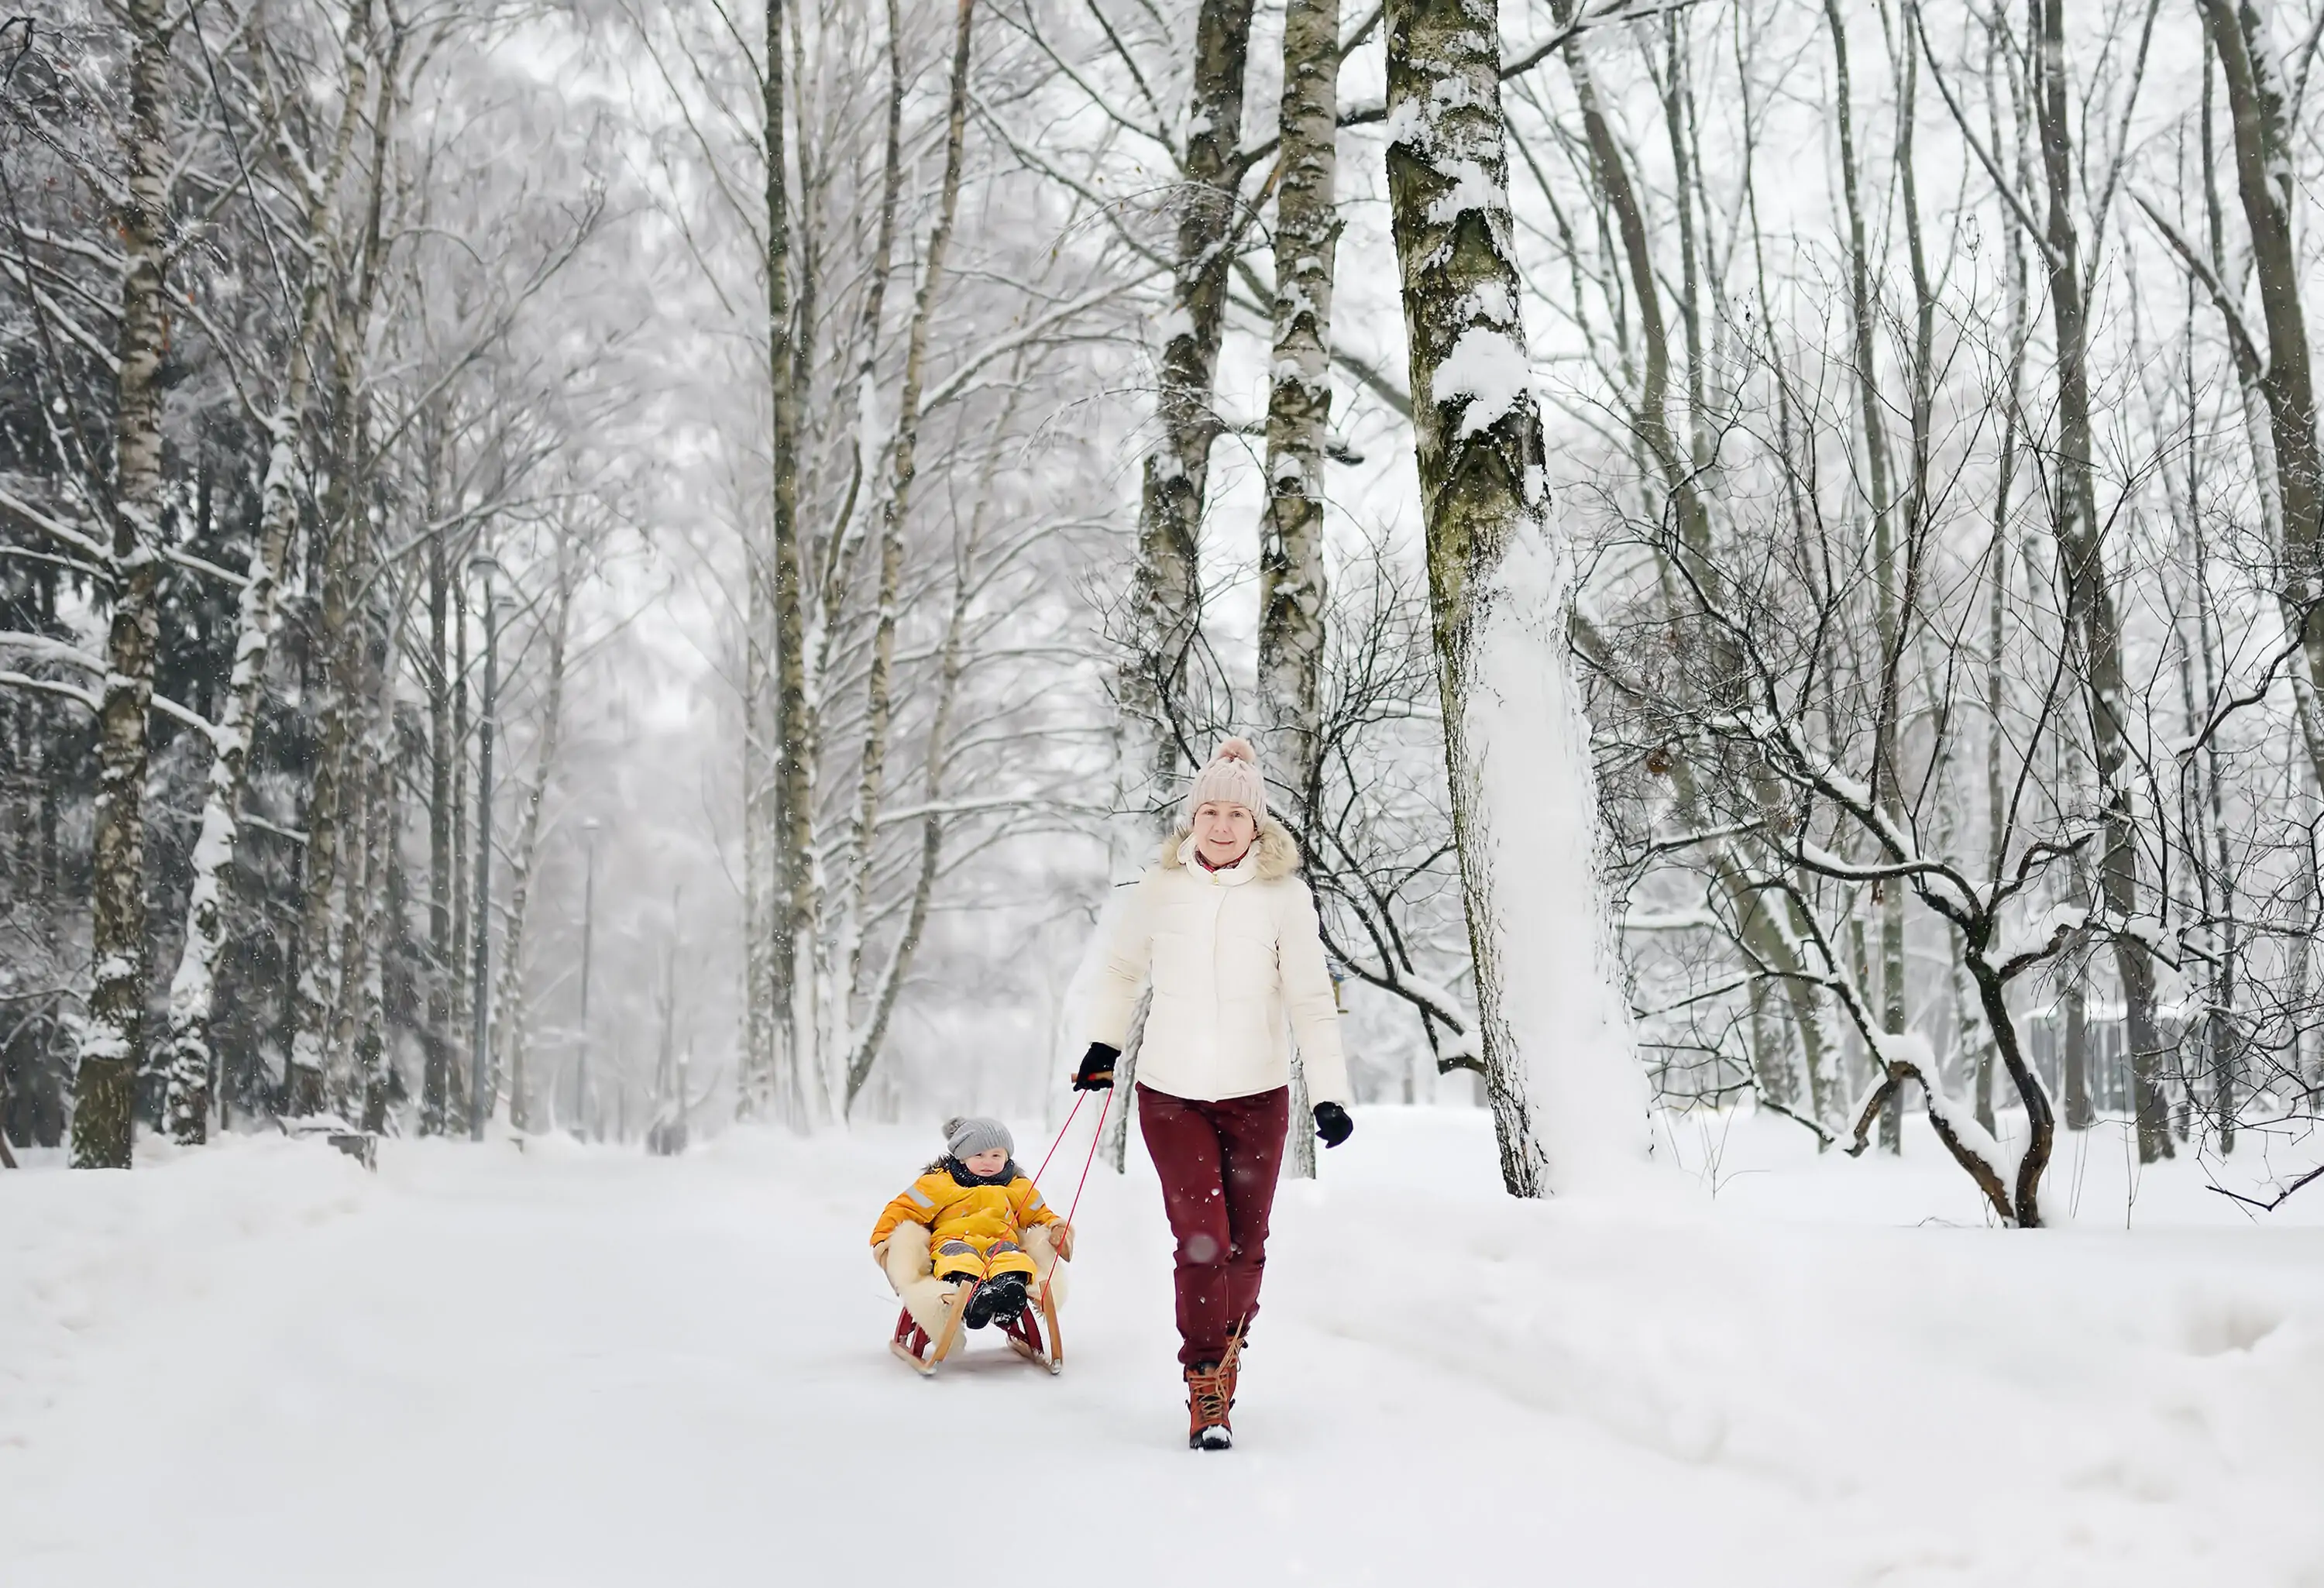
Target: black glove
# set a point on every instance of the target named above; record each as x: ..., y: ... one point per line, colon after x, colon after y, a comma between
x: 1332, y: 1124
x: 1096, y: 1074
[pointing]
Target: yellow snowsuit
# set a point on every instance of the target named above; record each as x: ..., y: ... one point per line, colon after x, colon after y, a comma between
x: 974, y: 1232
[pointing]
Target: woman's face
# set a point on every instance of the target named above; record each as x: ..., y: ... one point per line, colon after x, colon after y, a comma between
x: 1222, y: 831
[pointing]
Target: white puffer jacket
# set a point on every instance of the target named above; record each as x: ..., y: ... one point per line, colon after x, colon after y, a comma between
x: 1235, y: 955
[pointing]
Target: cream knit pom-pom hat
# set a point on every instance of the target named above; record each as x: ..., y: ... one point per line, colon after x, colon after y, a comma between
x: 1232, y: 777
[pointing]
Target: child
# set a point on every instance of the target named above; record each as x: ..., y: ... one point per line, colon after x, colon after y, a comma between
x: 972, y: 1215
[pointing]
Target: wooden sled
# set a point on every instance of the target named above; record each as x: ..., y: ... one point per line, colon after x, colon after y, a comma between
x: 911, y: 1342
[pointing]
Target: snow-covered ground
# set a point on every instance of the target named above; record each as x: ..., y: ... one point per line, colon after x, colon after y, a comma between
x: 256, y: 1365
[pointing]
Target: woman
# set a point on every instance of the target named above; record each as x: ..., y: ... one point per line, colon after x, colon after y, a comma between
x: 1228, y: 934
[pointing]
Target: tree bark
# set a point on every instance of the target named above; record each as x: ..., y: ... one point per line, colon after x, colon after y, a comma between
x: 360, y: 869
x: 1880, y: 500
x: 456, y: 1071
x: 787, y: 801
x: 319, y: 910
x: 113, y: 1041
x: 1515, y: 749
x: 379, y: 904
x: 1291, y: 572
x: 2090, y: 598
x: 1165, y: 589
x: 509, y: 996
x: 2256, y: 106
x: 878, y: 686
x: 442, y: 952
x: 193, y: 988
x: 951, y: 666
x: 1997, y: 748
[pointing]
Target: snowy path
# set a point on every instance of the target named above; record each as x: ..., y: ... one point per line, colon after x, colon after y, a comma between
x: 264, y: 1368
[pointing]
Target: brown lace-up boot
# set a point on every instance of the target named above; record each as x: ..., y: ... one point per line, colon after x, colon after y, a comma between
x: 1208, y: 1398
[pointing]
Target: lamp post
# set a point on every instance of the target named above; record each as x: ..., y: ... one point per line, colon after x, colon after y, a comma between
x: 588, y: 921
x: 488, y: 721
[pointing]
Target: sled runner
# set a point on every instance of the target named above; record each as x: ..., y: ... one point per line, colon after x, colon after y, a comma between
x: 1024, y: 1332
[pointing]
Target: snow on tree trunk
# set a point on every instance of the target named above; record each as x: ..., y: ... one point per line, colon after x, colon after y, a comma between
x: 1291, y: 573
x: 193, y: 987
x: 112, y: 1041
x: 1568, y: 1101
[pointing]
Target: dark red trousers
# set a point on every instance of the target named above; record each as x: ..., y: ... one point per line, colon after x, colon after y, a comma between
x: 1219, y: 1163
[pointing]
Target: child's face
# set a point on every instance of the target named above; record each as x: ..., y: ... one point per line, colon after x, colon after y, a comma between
x: 986, y: 1163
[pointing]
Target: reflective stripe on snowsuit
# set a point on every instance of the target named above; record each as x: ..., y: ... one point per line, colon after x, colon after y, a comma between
x: 976, y: 1231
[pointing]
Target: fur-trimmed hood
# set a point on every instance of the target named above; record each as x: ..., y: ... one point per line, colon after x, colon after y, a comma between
x: 1278, y: 851
x: 1234, y: 960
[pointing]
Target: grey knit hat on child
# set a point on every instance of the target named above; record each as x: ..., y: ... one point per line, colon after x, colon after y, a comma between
x: 965, y: 1137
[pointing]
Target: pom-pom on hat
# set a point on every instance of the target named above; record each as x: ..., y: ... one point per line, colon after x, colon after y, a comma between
x: 1232, y: 778
x: 965, y: 1137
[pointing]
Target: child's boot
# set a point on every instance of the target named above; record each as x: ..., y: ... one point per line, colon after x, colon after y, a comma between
x: 997, y: 1300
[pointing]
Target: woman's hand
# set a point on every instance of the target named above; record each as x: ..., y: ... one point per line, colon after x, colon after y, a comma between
x: 1332, y: 1124
x: 1096, y: 1074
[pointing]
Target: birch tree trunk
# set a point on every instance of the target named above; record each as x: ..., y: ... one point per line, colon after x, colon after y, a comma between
x: 193, y: 988
x: 951, y: 668
x: 113, y: 1041
x: 1564, y: 1095
x: 318, y: 917
x: 363, y: 1045
x: 318, y: 1064
x: 870, y: 324
x: 788, y: 798
x: 878, y: 687
x: 1905, y: 559
x: 1997, y: 748
x: 1165, y: 590
x: 1166, y: 594
x: 456, y: 1072
x: 361, y: 871
x: 442, y: 951
x: 1291, y: 572
x: 1879, y: 490
x: 509, y: 996
x: 2089, y: 599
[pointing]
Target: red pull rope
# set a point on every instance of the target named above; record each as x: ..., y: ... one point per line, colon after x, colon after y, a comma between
x: 1079, y: 1098
x: 1095, y: 1137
